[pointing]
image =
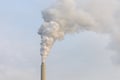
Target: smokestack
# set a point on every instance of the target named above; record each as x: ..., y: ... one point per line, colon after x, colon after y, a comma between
x: 43, y: 71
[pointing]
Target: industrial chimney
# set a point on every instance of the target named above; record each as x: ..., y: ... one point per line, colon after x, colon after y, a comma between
x: 43, y: 71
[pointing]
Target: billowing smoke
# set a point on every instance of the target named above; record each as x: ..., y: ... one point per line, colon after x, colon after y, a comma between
x: 71, y: 16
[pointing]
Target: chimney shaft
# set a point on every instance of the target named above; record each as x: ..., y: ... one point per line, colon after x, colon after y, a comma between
x: 43, y: 71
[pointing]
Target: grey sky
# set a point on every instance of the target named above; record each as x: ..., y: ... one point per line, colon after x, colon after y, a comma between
x: 82, y: 56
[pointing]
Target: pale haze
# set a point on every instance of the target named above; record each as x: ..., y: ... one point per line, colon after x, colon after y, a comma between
x: 86, y: 55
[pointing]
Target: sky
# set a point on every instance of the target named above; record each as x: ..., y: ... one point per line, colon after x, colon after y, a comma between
x: 81, y: 56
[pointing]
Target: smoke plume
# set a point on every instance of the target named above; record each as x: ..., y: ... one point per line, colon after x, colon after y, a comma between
x: 71, y: 16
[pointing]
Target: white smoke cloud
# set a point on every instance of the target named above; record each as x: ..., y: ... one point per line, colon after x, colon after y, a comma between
x: 67, y: 16
x: 106, y: 12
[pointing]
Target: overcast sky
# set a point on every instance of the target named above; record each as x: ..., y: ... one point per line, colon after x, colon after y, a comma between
x: 82, y: 56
